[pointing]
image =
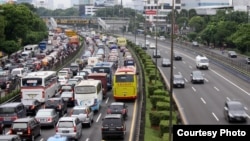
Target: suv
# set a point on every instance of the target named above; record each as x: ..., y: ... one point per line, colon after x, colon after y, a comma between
x: 11, y: 111
x: 84, y: 113
x: 177, y: 57
x: 232, y: 54
x: 26, y: 128
x: 178, y: 81
x: 197, y: 77
x: 118, y: 108
x: 58, y: 104
x: 113, y: 125
x: 234, y: 111
x: 70, y: 127
x: 156, y: 55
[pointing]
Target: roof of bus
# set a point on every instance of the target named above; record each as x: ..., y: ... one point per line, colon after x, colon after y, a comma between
x: 126, y: 70
x: 103, y: 64
x: 40, y: 74
x: 89, y: 82
x: 97, y: 74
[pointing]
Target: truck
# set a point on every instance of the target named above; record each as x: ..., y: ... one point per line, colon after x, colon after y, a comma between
x: 202, y: 62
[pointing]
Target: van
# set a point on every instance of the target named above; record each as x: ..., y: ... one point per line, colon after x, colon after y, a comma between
x: 11, y: 111
x: 20, y: 72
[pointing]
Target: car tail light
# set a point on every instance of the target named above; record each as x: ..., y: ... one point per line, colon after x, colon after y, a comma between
x: 120, y: 128
x: 59, y: 106
x: 56, y: 128
x: 32, y: 107
x: 49, y: 119
x: 123, y: 111
x: 74, y: 128
x: 29, y: 130
x: 108, y: 111
x: 14, y: 117
x: 43, y: 94
x: 71, y: 99
x: 11, y: 131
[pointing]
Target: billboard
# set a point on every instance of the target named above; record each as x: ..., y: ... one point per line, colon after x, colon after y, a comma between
x: 150, y: 12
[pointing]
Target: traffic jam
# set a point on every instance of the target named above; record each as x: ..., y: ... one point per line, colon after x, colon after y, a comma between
x: 66, y: 100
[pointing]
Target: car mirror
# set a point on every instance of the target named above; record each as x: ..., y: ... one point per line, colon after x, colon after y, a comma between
x: 226, y: 108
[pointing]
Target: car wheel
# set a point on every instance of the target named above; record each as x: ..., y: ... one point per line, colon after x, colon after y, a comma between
x: 40, y: 132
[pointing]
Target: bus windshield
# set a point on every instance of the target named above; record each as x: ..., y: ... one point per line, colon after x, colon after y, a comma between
x: 101, y: 70
x: 124, y: 78
x: 32, y: 82
x: 85, y: 89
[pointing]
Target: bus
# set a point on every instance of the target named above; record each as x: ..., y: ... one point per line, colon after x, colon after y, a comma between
x: 125, y: 85
x: 33, y: 48
x: 106, y: 67
x: 89, y: 93
x: 39, y: 85
x: 121, y: 41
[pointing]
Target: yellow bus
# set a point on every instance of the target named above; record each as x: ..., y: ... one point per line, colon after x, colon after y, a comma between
x: 121, y: 41
x: 125, y: 83
x: 70, y: 32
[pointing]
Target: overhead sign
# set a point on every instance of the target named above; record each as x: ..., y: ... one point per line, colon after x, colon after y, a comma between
x: 150, y: 12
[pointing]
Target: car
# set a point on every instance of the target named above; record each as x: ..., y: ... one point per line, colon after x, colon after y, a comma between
x: 118, y: 108
x: 84, y: 113
x: 1, y: 128
x: 165, y: 62
x: 70, y: 73
x: 156, y: 55
x: 178, y: 81
x: 10, y: 138
x: 56, y: 103
x: 162, y: 38
x: 70, y: 127
x: 68, y: 97
x: 31, y: 105
x: 247, y: 60
x: 195, y: 44
x: 27, y: 128
x: 113, y: 125
x: 62, y: 80
x: 47, y: 117
x: 74, y: 67
x: 234, y: 111
x: 177, y: 57
x: 152, y: 46
x: 232, y: 54
x: 197, y: 77
x: 66, y: 88
x: 148, y: 36
x: 58, y: 138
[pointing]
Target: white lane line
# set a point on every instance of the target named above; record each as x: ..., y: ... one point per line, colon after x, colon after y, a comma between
x: 179, y: 73
x: 206, y: 80
x: 184, y: 62
x: 228, y: 99
x: 107, y: 100
x: 215, y: 116
x: 230, y: 82
x: 203, y: 100
x: 245, y: 108
x: 194, y: 89
x: 87, y: 139
x: 248, y: 116
x: 174, y: 67
x: 98, y: 117
x: 42, y: 139
x: 185, y: 79
x: 216, y: 89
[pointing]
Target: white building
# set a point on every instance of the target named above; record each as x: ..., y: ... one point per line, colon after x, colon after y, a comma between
x: 48, y: 4
x: 193, y: 4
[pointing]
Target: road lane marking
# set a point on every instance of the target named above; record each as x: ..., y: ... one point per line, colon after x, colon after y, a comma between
x: 98, y: 117
x: 216, y: 89
x: 215, y: 116
x: 107, y: 100
x: 42, y: 139
x: 245, y: 108
x: 190, y: 67
x: 87, y: 139
x: 194, y: 89
x: 133, y: 122
x: 203, y: 100
x: 248, y: 116
x: 184, y: 62
x: 228, y: 99
x: 174, y: 67
x: 206, y: 80
x: 185, y: 79
x: 230, y: 82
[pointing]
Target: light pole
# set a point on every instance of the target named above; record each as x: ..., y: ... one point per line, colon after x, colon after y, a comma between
x: 135, y: 25
x: 156, y: 58
x: 113, y: 20
x: 171, y: 73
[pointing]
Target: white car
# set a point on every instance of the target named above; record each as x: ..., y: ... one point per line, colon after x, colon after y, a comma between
x: 62, y: 80
x: 162, y: 38
x: 152, y: 46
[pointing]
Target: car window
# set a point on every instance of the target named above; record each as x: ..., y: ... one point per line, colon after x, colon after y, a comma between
x: 116, y: 107
x: 78, y: 111
x: 65, y: 124
x: 52, y: 102
x: 112, y: 121
x: 19, y: 125
x: 43, y: 113
x: 8, y: 110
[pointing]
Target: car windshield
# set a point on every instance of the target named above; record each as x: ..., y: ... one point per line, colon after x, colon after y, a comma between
x: 52, y: 102
x: 116, y: 107
x: 66, y: 88
x: 43, y: 113
x: 78, y: 111
x: 65, y: 124
x: 112, y: 122
x: 19, y: 125
x: 236, y: 107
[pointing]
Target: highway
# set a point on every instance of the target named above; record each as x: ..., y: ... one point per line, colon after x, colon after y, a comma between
x: 202, y: 103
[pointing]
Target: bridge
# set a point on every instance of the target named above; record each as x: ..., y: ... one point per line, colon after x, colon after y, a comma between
x: 103, y: 23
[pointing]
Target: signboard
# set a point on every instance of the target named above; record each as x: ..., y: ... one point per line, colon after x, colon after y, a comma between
x: 150, y: 12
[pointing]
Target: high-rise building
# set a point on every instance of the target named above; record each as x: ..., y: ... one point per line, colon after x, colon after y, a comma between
x: 241, y: 5
x: 192, y: 4
x: 48, y: 4
x: 24, y: 1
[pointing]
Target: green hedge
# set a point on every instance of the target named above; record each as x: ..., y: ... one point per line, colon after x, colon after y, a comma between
x: 9, y: 96
x: 165, y: 137
x: 164, y: 127
x: 159, y: 91
x: 161, y: 106
x: 158, y: 98
x: 156, y: 116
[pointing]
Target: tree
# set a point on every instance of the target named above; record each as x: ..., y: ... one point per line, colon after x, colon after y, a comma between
x: 2, y: 26
x: 9, y: 47
x: 207, y: 34
x: 191, y: 13
x: 197, y: 23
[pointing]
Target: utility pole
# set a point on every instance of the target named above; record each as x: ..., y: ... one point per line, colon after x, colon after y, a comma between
x: 135, y: 25
x: 156, y: 58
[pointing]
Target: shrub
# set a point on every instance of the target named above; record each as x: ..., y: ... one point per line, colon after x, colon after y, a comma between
x: 151, y: 89
x: 148, y: 70
x: 165, y: 137
x: 159, y: 83
x: 164, y: 127
x: 156, y: 116
x: 158, y: 98
x: 160, y: 106
x: 160, y: 91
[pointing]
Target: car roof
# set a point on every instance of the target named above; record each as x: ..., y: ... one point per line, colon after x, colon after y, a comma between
x: 117, y: 103
x: 79, y: 107
x: 6, y: 137
x: 178, y: 76
x: 57, y: 138
x: 25, y: 119
x: 67, y: 118
x: 55, y: 98
x: 11, y: 104
x: 46, y: 110
x: 232, y: 102
x: 113, y: 116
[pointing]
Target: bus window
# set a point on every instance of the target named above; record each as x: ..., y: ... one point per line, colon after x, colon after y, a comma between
x: 124, y: 78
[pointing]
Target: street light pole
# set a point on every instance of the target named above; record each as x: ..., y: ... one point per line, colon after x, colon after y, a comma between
x: 171, y: 73
x: 135, y: 25
x: 156, y: 46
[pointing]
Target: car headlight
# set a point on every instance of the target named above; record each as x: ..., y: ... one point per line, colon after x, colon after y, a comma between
x: 230, y: 115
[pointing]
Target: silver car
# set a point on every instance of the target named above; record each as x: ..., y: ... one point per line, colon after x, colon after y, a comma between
x: 47, y: 117
x: 70, y: 127
x: 84, y: 113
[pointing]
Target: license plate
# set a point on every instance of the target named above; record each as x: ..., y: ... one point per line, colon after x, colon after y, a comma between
x: 7, y: 119
x: 65, y: 131
x: 42, y: 120
x: 19, y: 133
x: 32, y: 95
x: 112, y: 129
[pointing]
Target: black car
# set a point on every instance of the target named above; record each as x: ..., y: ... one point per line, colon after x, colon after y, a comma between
x: 31, y: 105
x: 74, y: 67
x: 234, y: 111
x: 118, y: 108
x: 177, y: 57
x: 113, y: 125
x: 58, y: 104
x: 178, y: 81
x: 197, y: 77
x: 27, y: 128
x: 1, y: 128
